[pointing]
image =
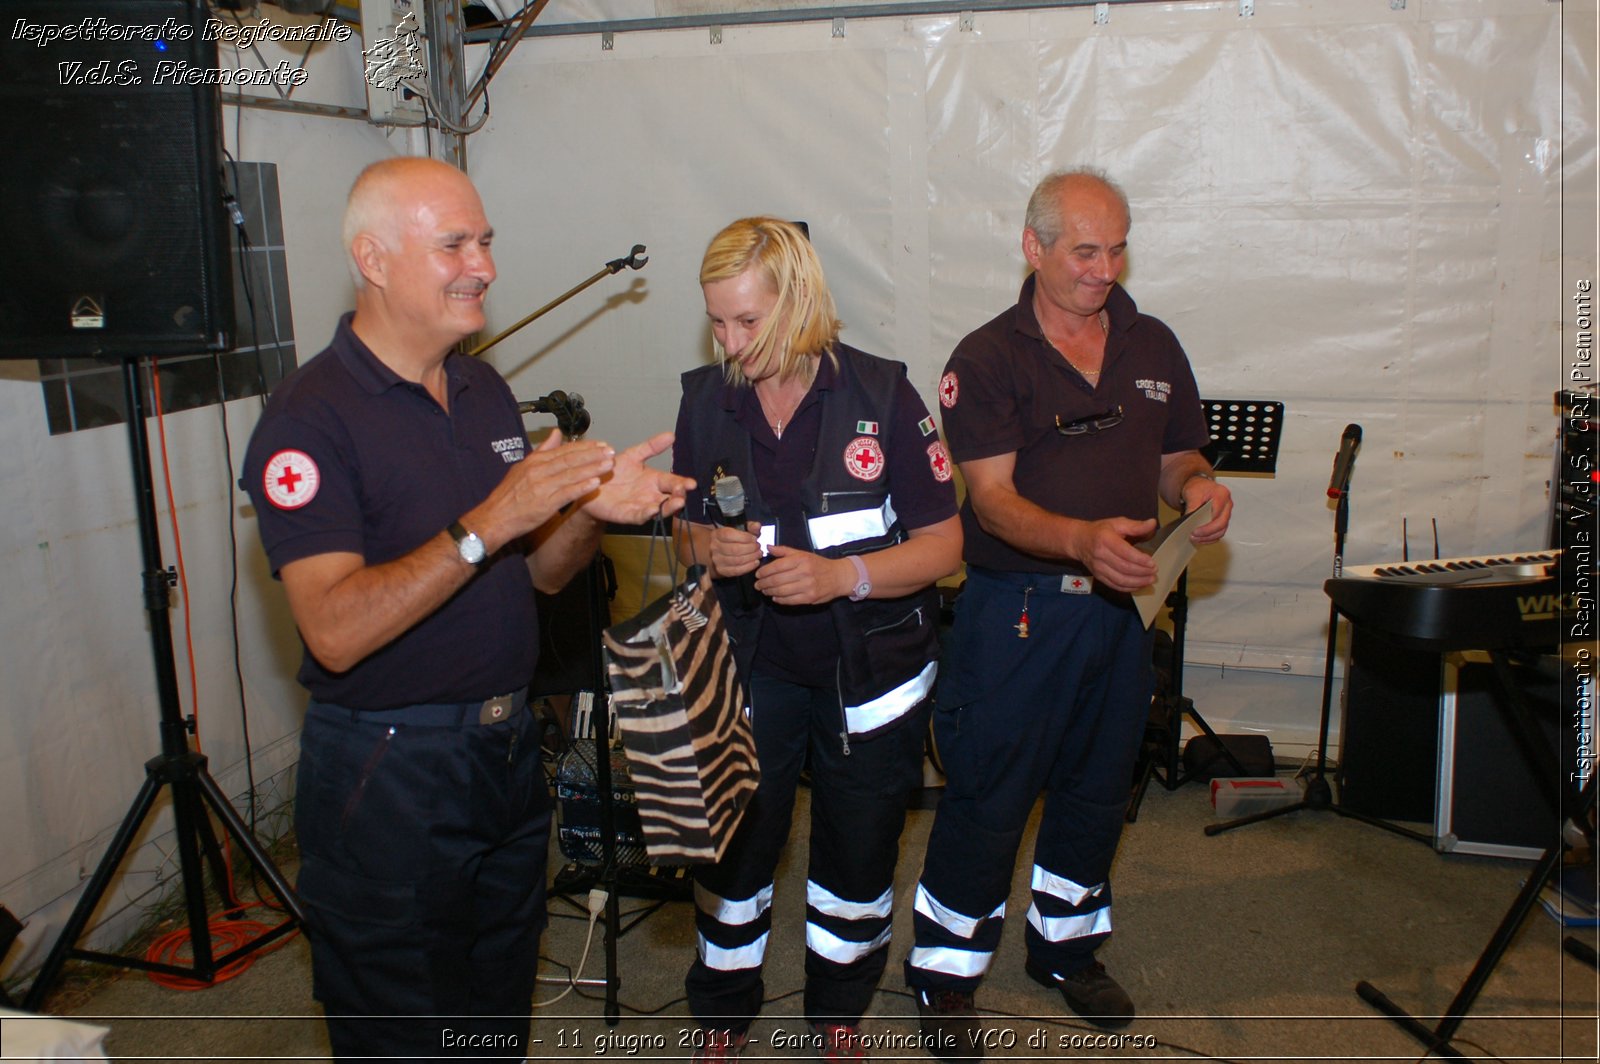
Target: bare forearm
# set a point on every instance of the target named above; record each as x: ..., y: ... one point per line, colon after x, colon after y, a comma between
x: 927, y: 557
x: 1025, y: 525
x: 562, y: 548
x: 346, y: 610
x: 1176, y: 471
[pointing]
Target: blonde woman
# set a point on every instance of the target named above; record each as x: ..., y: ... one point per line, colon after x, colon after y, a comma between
x: 828, y: 592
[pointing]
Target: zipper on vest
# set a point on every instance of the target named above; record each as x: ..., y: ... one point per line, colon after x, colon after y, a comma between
x: 916, y: 612
x: 844, y: 718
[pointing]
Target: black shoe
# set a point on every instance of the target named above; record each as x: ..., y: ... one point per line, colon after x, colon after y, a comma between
x: 950, y: 1025
x: 1091, y: 993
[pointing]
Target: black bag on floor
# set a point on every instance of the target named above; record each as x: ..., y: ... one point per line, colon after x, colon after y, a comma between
x: 1203, y: 760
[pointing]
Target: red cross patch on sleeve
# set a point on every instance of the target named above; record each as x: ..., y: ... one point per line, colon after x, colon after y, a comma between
x: 949, y: 389
x: 291, y: 479
x: 939, y: 461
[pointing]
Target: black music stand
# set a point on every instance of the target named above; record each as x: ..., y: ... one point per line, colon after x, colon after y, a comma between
x: 1244, y: 439
x: 177, y: 767
x: 1547, y: 765
x: 1318, y: 791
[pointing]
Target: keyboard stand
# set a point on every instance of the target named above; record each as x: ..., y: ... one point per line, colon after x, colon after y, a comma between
x: 1524, y: 725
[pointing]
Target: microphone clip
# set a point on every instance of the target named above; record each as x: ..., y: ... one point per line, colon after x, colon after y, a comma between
x: 571, y: 418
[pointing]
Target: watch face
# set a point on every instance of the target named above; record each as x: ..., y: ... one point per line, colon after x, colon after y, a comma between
x: 470, y: 547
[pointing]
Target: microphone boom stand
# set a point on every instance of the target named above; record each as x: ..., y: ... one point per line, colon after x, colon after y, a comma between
x: 573, y: 421
x: 634, y: 260
x: 1319, y: 793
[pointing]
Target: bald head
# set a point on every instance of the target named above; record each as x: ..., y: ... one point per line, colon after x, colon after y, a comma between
x: 1061, y: 192
x: 386, y: 193
x: 419, y: 243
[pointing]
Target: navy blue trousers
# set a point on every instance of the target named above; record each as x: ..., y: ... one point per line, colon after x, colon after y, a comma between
x: 423, y: 880
x: 1061, y: 712
x: 858, y: 807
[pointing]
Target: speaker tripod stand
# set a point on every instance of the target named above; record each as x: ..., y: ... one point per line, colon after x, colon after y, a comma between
x: 177, y: 768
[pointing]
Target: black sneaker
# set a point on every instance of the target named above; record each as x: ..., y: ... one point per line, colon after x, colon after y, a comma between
x: 949, y: 1025
x: 1091, y: 993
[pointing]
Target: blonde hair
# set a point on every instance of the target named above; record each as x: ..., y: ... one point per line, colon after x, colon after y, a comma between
x: 803, y: 322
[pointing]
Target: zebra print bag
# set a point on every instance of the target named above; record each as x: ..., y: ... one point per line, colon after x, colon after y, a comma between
x: 681, y: 709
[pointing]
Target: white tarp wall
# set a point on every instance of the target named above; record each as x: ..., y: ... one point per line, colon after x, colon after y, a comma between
x: 1373, y: 215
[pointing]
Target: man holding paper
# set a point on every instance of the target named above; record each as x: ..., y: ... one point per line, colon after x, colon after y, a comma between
x: 1069, y: 414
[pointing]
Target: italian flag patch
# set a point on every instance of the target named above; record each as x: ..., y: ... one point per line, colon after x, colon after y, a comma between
x: 926, y: 425
x: 869, y: 427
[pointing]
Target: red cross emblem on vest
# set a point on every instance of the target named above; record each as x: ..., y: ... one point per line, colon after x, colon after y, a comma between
x: 864, y: 458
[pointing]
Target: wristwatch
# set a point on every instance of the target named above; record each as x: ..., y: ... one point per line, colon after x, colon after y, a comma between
x: 468, y: 545
x: 863, y: 586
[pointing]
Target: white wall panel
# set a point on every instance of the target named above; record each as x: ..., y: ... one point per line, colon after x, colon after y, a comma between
x: 1351, y: 208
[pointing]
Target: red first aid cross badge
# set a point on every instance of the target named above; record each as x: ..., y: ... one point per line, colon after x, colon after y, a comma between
x: 291, y: 479
x: 864, y: 458
x: 939, y: 461
x: 949, y: 389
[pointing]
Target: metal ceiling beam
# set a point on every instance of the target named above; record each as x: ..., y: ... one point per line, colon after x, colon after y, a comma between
x: 911, y: 9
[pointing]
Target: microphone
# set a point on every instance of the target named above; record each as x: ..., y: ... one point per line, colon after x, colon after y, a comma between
x: 571, y: 418
x: 1349, y: 444
x: 729, y: 493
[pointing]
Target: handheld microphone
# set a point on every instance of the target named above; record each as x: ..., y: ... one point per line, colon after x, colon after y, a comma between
x: 729, y: 493
x: 1349, y: 444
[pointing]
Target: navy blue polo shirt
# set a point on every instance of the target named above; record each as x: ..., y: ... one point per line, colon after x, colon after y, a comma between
x: 799, y: 643
x: 348, y: 457
x: 1004, y: 388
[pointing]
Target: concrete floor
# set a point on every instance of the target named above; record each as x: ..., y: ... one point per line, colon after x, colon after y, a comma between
x: 1247, y: 945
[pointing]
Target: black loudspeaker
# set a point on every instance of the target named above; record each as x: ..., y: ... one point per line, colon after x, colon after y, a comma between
x: 114, y: 226
x: 1389, y: 737
x: 1424, y: 738
x: 1491, y: 800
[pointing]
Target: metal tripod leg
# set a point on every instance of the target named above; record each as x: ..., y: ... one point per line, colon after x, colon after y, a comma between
x: 177, y: 766
x: 1523, y: 723
x: 192, y: 790
x: 92, y: 893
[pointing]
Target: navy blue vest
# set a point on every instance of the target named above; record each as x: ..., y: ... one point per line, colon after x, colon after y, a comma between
x: 886, y: 645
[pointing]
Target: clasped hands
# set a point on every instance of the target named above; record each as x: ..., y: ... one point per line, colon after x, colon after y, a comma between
x: 606, y: 484
x: 789, y: 576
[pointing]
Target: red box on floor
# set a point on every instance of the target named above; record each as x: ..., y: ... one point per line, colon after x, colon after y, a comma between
x: 1241, y: 796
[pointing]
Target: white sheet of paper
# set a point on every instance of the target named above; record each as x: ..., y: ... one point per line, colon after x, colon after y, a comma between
x: 1172, y: 549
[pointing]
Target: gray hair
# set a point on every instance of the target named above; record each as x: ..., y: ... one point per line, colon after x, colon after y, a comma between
x: 1044, y: 206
